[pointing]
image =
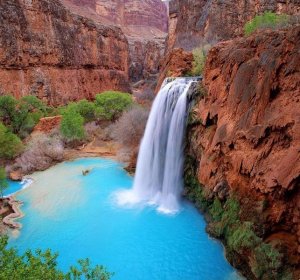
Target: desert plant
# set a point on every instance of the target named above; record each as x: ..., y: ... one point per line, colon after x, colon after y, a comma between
x: 216, y: 210
x: 130, y: 127
x: 71, y: 126
x: 266, y: 20
x: 266, y: 262
x: 146, y: 95
x: 3, y: 181
x: 243, y: 237
x: 41, y: 152
x: 199, y: 61
x: 10, y: 144
x: 40, y: 265
x: 110, y: 104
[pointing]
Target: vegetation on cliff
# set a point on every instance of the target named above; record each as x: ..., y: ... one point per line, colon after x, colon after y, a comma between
x: 266, y: 20
x: 228, y: 219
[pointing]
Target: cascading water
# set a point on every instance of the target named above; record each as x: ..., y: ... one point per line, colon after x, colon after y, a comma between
x: 159, y: 172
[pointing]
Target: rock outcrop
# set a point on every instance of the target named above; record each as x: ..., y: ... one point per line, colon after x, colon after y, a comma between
x: 145, y: 24
x: 194, y: 23
x: 48, y: 51
x: 248, y: 133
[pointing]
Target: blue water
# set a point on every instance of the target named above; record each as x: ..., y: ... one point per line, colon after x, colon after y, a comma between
x: 76, y: 216
x: 14, y: 187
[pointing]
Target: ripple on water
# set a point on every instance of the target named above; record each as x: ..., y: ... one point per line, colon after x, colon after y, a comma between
x: 76, y: 216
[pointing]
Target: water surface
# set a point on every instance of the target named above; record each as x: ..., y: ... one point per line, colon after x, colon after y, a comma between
x: 76, y: 216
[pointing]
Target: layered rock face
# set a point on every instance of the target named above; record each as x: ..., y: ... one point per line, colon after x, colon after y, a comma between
x: 194, y: 23
x: 59, y: 56
x: 144, y: 23
x: 249, y: 136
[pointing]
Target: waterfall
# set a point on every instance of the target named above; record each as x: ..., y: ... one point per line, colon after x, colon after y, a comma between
x: 159, y: 174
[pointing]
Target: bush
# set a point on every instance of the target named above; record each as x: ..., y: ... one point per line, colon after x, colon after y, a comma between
x: 71, y: 126
x: 7, y: 108
x: 41, y: 265
x: 110, y: 104
x: 3, y: 182
x: 10, y: 144
x: 243, y: 237
x: 147, y: 95
x: 266, y: 20
x: 130, y: 127
x: 267, y: 260
x: 86, y: 109
x: 216, y: 210
x: 21, y: 116
x: 199, y: 61
x: 40, y: 154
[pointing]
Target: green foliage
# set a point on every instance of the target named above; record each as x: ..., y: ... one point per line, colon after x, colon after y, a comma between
x: 86, y: 109
x: 10, y: 144
x: 243, y: 237
x: 216, y: 210
x: 43, y: 265
x: 267, y: 260
x: 266, y: 20
x: 3, y: 182
x: 199, y: 61
x: 7, y: 108
x: 21, y: 116
x: 72, y: 125
x: 110, y: 104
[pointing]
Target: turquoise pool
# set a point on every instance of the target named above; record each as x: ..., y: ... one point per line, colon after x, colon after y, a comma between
x: 14, y: 187
x: 76, y: 216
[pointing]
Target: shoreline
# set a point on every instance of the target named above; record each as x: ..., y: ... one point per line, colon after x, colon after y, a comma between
x: 109, y: 150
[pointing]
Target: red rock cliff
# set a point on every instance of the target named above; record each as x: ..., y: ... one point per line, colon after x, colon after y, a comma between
x: 48, y: 51
x: 196, y: 22
x: 144, y: 23
x: 250, y: 132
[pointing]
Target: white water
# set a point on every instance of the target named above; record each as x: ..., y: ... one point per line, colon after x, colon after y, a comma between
x: 159, y: 174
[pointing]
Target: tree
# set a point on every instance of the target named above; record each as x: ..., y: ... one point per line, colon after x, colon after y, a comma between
x: 110, y: 104
x: 72, y: 125
x: 10, y: 144
x: 3, y: 182
x: 86, y: 109
x: 41, y: 265
x: 7, y: 108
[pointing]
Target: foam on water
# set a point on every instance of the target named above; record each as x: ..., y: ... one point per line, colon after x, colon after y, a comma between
x: 159, y: 174
x: 76, y: 216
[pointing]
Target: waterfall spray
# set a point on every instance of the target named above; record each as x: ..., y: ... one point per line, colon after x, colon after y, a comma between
x: 158, y: 179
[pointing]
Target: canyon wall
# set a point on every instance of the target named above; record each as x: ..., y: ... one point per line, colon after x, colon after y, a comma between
x: 57, y: 55
x: 73, y: 49
x: 145, y: 24
x: 194, y: 23
x: 245, y: 139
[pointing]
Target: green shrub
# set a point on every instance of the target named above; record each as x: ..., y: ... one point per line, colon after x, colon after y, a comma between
x: 7, y: 108
x: 216, y: 210
x: 10, y: 144
x: 266, y: 20
x: 21, y: 116
x: 199, y: 61
x: 110, y: 104
x: 3, y: 182
x: 72, y: 125
x: 243, y: 237
x: 267, y: 260
x: 41, y: 265
x: 86, y: 109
